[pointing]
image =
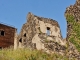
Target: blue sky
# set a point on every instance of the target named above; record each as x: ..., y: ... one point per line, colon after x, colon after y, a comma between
x: 14, y: 12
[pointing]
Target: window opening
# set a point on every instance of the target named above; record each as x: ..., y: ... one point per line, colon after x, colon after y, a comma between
x: 0, y: 47
x: 2, y: 33
x: 20, y: 40
x: 25, y: 35
x: 48, y: 31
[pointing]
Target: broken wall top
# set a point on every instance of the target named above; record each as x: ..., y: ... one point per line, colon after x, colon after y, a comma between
x: 30, y: 17
x: 74, y: 10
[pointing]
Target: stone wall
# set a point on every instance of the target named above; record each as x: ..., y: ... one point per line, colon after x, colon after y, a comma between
x: 73, y: 26
x: 73, y: 10
x: 7, y: 35
x: 42, y: 34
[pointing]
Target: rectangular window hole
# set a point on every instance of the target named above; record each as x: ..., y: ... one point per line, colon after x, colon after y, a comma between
x: 48, y: 31
x: 2, y: 33
x: 0, y: 47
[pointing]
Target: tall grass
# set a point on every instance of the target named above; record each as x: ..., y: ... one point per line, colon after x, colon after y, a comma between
x: 27, y: 54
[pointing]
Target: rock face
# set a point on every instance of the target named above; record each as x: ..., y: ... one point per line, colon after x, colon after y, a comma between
x: 41, y: 34
x: 73, y: 29
x: 73, y: 10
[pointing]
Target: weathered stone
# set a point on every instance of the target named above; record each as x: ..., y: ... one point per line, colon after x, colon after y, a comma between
x: 34, y: 35
x: 74, y: 11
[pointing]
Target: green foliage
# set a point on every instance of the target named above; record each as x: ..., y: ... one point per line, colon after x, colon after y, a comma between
x: 27, y: 54
x: 47, y: 41
x: 75, y: 32
x: 70, y: 18
x: 39, y: 30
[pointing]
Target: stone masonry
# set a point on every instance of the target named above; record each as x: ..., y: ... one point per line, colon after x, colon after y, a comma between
x: 7, y: 35
x: 44, y: 34
x: 41, y: 34
x: 73, y: 10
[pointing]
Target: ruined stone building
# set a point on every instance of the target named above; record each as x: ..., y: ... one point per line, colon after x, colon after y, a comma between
x: 7, y: 35
x: 43, y: 34
x: 37, y: 33
x: 40, y: 33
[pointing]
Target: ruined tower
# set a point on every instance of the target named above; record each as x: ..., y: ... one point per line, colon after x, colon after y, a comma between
x: 40, y: 33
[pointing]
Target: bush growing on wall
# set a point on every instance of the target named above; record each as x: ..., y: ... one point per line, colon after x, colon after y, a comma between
x: 75, y: 31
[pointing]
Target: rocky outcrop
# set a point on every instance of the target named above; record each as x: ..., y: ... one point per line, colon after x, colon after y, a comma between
x: 73, y: 30
x: 73, y: 10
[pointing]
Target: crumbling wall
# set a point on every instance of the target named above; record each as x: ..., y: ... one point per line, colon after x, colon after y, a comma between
x: 34, y: 35
x: 73, y: 29
x: 49, y: 44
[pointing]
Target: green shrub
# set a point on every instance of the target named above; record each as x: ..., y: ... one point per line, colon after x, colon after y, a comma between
x: 75, y: 31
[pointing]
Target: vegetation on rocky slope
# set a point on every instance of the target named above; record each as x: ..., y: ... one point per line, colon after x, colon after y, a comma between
x: 74, y: 31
